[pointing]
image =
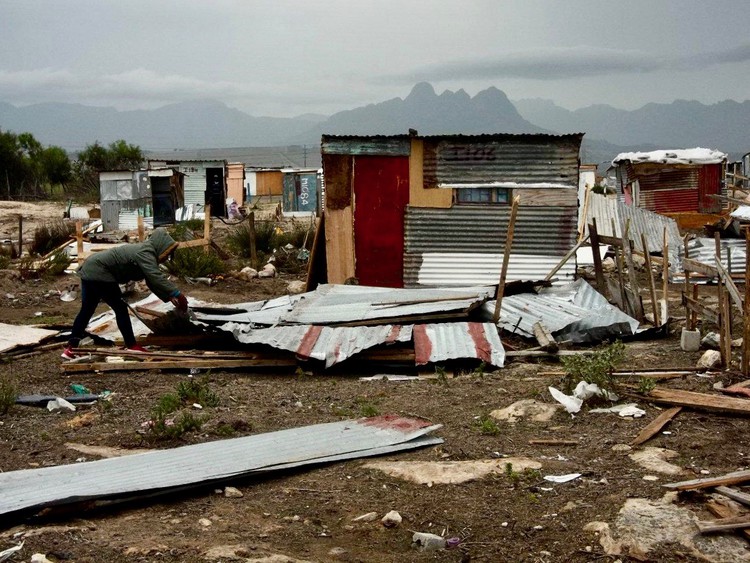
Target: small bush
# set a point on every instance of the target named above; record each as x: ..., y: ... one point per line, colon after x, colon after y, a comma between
x: 49, y: 236
x: 197, y: 391
x: 56, y: 264
x: 594, y: 368
x: 187, y: 230
x: 367, y: 408
x: 195, y: 263
x: 8, y: 394
x: 487, y: 426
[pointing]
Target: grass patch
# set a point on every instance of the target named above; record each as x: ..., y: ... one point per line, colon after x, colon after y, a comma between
x: 49, y: 236
x: 487, y: 425
x: 8, y: 394
x: 163, y: 426
x: 367, y: 408
x: 195, y: 263
x: 6, y: 255
x: 197, y: 391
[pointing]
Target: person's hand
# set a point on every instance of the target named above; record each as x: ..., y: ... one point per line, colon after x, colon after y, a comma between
x: 180, y: 301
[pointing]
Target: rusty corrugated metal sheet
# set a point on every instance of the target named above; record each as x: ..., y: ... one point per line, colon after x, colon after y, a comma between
x: 709, y: 184
x: 441, y: 269
x: 197, y: 464
x: 331, y: 345
x: 449, y: 341
x: 543, y: 231
x: 524, y: 159
x: 670, y: 200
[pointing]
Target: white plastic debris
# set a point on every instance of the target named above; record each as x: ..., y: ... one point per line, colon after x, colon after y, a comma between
x: 7, y: 553
x: 68, y: 296
x: 627, y: 409
x: 57, y: 405
x: 428, y: 542
x: 40, y: 558
x: 571, y: 404
x: 586, y: 390
x: 562, y: 478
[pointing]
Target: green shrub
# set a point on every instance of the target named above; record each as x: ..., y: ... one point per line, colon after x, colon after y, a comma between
x: 49, y: 236
x: 197, y: 391
x: 367, y: 408
x: 594, y: 368
x: 56, y: 264
x: 187, y: 230
x: 195, y: 263
x: 8, y: 394
x: 487, y: 425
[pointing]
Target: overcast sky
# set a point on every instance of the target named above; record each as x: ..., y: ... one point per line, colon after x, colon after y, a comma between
x: 284, y: 58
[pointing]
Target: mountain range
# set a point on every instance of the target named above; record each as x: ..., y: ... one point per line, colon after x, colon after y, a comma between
x: 210, y: 123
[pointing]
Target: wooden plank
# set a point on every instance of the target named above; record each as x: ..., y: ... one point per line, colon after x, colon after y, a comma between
x: 147, y: 311
x: 506, y: 258
x: 544, y: 337
x: 700, y: 401
x: 722, y: 511
x: 655, y: 426
x: 693, y: 266
x: 419, y: 194
x: 610, y: 240
x: 20, y: 233
x: 186, y: 364
x: 565, y: 258
x: 584, y: 212
x: 544, y: 197
x: 339, y: 234
x: 734, y: 494
x: 746, y: 311
x: 194, y: 243
x: 253, y: 244
x: 724, y: 524
x: 651, y: 283
x: 628, y: 256
x: 170, y: 355
x: 207, y: 226
x: 665, y: 275
x: 553, y: 442
x: 79, y: 241
x: 699, y: 308
x: 141, y: 229
x: 733, y: 478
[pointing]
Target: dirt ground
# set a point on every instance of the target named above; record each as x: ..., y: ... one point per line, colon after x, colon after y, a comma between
x: 307, y: 515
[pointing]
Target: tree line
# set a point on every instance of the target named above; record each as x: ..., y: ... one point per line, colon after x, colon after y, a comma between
x: 29, y: 170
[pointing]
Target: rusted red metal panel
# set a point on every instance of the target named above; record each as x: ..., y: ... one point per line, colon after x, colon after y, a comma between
x: 381, y: 193
x: 670, y: 201
x: 709, y: 183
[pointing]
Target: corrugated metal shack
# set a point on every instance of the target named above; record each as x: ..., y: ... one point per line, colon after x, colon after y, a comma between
x: 205, y: 181
x: 678, y: 183
x: 151, y: 194
x: 406, y: 211
x: 264, y: 181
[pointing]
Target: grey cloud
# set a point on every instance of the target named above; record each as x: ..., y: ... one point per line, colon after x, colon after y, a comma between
x: 572, y: 62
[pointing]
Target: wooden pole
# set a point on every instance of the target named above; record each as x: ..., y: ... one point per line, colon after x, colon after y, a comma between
x: 20, y: 235
x: 585, y: 213
x: 506, y: 258
x: 141, y: 229
x: 207, y: 227
x: 565, y: 258
x: 253, y: 244
x: 686, y: 289
x: 598, y: 271
x: 724, y: 345
x: 651, y: 283
x: 746, y: 312
x: 627, y: 254
x: 79, y: 240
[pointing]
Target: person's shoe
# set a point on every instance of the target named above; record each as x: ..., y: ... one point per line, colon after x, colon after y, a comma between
x: 68, y: 353
x: 136, y: 348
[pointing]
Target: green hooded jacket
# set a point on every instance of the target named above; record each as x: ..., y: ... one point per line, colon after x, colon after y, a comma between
x: 134, y: 262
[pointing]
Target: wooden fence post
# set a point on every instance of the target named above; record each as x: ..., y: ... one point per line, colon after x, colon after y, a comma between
x: 253, y: 244
x: 746, y: 310
x: 506, y: 257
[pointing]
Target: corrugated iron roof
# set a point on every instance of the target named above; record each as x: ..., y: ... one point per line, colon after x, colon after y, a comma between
x: 438, y: 342
x: 704, y: 250
x: 329, y: 344
x: 574, y: 312
x: 163, y: 470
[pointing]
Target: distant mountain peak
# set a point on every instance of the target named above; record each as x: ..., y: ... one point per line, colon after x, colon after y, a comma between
x: 421, y: 90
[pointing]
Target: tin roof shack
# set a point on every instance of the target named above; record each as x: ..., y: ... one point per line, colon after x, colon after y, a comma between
x: 265, y: 181
x: 406, y: 211
x: 205, y: 182
x: 302, y: 194
x: 677, y: 183
x: 151, y: 194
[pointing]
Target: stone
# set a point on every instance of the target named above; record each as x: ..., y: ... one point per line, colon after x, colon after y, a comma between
x: 337, y: 552
x: 711, y: 340
x: 621, y: 448
x: 296, y: 286
x: 608, y: 265
x: 427, y: 542
x: 710, y: 359
x: 205, y: 522
x: 690, y: 340
x: 232, y: 492
x: 451, y: 472
x: 39, y: 558
x: 655, y: 459
x: 526, y: 409
x: 391, y: 519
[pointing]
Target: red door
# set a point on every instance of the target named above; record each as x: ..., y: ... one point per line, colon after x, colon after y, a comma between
x: 381, y: 193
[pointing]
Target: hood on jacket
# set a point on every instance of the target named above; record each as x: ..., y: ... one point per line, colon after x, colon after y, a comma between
x: 162, y: 243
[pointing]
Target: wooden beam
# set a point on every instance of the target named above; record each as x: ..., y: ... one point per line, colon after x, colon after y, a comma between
x: 553, y: 442
x: 195, y: 242
x: 141, y: 229
x: 734, y: 494
x: 20, y: 235
x: 746, y: 310
x: 544, y: 337
x: 690, y: 265
x: 565, y: 258
x: 700, y: 401
x: 610, y: 240
x: 79, y: 241
x: 724, y: 524
x: 665, y: 275
x: 651, y: 283
x: 506, y: 258
x: 695, y: 306
x: 207, y: 226
x: 185, y: 364
x: 599, y: 272
x: 253, y: 243
x: 655, y: 426
x: 722, y: 511
x: 733, y: 478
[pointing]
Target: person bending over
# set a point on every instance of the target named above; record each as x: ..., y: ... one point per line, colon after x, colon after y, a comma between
x: 103, y: 272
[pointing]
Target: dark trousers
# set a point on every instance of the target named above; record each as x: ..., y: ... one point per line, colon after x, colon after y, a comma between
x: 92, y: 292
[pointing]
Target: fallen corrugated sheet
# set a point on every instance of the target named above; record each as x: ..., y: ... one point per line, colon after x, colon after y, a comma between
x: 339, y: 304
x: 329, y: 344
x: 575, y: 312
x: 450, y: 341
x: 742, y: 213
x: 12, y: 336
x: 199, y: 464
x: 640, y: 221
